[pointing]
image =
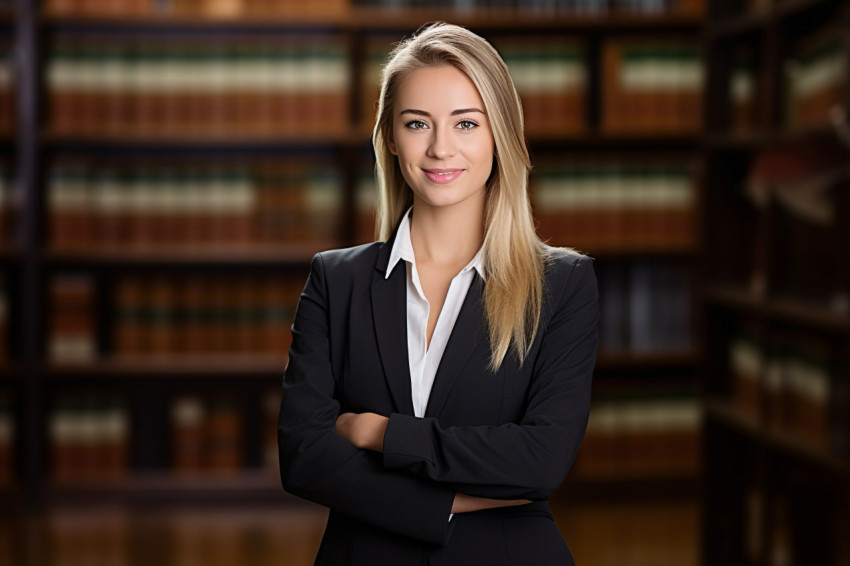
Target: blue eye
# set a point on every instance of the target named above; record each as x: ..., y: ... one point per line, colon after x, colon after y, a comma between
x: 466, y: 124
x: 415, y: 124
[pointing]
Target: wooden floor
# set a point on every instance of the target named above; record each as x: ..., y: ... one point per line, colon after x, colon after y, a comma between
x: 599, y: 535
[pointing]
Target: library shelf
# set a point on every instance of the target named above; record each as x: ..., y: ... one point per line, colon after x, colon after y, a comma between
x: 175, y: 254
x: 600, y: 140
x: 78, y: 141
x: 147, y: 366
x: 374, y: 19
x: 810, y: 314
x: 779, y: 439
x: 807, y: 313
x: 761, y: 318
x: 352, y: 138
x: 158, y: 487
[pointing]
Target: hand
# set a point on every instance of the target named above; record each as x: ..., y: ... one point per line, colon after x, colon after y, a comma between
x: 363, y: 430
x: 464, y: 503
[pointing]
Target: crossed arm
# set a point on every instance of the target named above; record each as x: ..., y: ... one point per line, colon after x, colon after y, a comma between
x: 366, y: 431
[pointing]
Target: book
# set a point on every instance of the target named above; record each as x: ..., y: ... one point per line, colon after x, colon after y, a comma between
x: 72, y: 331
x: 89, y: 437
x: 207, y: 434
x: 651, y: 86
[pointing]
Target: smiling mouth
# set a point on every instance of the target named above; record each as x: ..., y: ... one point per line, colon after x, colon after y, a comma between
x: 442, y: 175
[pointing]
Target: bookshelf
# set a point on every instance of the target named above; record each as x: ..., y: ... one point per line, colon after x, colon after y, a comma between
x: 775, y: 324
x: 146, y: 177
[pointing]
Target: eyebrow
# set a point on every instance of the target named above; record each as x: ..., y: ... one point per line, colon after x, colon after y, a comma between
x: 454, y: 112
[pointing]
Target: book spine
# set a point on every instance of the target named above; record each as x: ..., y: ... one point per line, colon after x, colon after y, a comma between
x: 72, y: 328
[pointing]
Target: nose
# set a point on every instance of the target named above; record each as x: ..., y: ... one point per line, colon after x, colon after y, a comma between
x: 442, y: 145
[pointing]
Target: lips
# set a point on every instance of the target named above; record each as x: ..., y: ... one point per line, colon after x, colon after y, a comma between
x: 442, y: 176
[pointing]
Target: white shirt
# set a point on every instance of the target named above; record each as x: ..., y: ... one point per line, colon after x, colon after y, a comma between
x: 424, y: 359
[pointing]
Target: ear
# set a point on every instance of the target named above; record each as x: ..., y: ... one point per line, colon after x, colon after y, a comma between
x: 391, y: 146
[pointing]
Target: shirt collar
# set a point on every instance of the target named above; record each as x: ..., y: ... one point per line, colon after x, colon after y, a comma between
x: 403, y: 249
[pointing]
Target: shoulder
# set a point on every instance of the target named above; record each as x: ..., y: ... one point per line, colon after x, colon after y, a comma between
x: 346, y: 263
x: 562, y: 264
x: 568, y: 274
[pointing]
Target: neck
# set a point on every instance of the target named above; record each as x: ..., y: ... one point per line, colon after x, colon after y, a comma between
x: 447, y: 235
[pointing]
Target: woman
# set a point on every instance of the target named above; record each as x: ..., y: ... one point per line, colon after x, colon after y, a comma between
x: 439, y: 380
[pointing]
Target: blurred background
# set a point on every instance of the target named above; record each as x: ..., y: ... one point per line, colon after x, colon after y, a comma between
x: 169, y: 167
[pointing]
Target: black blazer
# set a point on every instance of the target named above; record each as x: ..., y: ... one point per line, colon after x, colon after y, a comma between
x: 512, y: 434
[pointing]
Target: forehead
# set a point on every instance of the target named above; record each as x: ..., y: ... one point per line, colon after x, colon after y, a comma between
x: 436, y: 89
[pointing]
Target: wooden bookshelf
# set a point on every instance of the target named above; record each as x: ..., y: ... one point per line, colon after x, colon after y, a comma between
x: 152, y: 366
x: 774, y: 340
x: 251, y: 255
x: 153, y: 380
x: 255, y: 487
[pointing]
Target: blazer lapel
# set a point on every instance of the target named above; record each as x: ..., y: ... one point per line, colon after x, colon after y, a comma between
x: 389, y: 314
x: 468, y: 333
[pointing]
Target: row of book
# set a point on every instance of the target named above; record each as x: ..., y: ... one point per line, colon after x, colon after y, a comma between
x: 598, y: 203
x: 646, y: 306
x: 165, y: 84
x: 785, y: 382
x: 208, y: 434
x: 94, y: 204
x: 89, y: 437
x: 817, y: 78
x: 100, y: 84
x: 651, y: 86
x: 7, y: 440
x: 640, y: 436
x: 172, y: 315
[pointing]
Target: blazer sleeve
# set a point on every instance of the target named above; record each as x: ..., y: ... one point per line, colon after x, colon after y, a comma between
x: 528, y: 459
x: 321, y: 466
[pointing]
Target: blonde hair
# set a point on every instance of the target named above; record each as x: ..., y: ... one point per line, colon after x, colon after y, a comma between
x: 514, y: 257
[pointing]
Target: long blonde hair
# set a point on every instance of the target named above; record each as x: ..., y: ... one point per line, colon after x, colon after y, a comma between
x: 514, y: 257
